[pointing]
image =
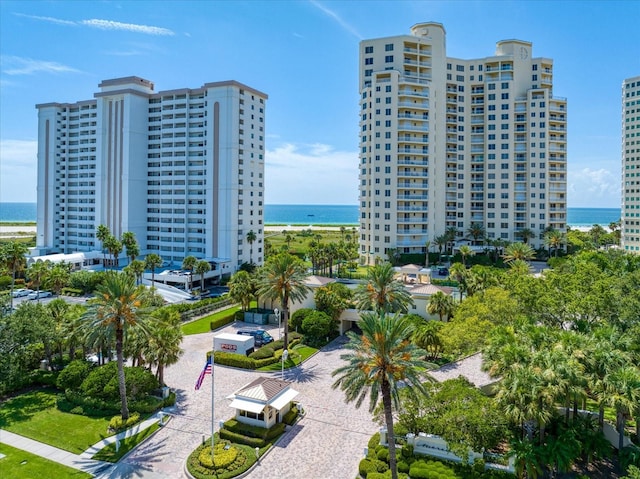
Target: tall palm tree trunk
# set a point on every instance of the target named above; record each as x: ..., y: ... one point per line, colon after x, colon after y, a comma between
x: 388, y: 418
x: 121, y: 382
x: 621, y: 425
x: 285, y: 314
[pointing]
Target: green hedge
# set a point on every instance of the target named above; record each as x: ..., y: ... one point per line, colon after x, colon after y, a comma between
x: 262, y: 353
x: 242, y: 439
x: 291, y: 416
x: 72, y: 292
x: 117, y: 424
x: 218, y: 323
x: 241, y: 464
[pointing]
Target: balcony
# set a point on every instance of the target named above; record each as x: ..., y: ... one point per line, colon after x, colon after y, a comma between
x: 414, y: 151
x: 414, y: 162
x: 423, y: 117
x: 413, y: 185
x: 412, y: 197
x: 413, y: 174
x: 409, y: 104
x: 408, y: 92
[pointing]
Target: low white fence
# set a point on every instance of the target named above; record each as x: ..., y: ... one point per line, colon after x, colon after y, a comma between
x: 435, y: 446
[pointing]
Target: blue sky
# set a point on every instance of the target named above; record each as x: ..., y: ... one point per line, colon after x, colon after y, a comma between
x: 304, y: 55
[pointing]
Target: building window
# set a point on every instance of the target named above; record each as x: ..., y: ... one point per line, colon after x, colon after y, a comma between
x: 368, y: 61
x: 388, y: 47
x: 368, y: 49
x: 388, y: 59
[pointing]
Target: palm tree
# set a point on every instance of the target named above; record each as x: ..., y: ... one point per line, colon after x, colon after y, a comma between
x: 623, y: 394
x: 466, y: 251
x: 202, y: 267
x: 102, y: 234
x: 427, y: 245
x: 441, y: 304
x: 554, y: 239
x: 114, y: 247
x: 458, y: 272
x: 282, y: 278
x: 518, y: 251
x: 380, y: 361
x: 130, y: 243
x: 58, y: 277
x: 451, y: 234
x: 163, y: 347
x: 525, y: 234
x: 251, y: 237
x: 36, y: 273
x: 288, y: 239
x: 153, y: 261
x: 476, y: 231
x: 118, y: 305
x: 382, y: 292
x: 189, y: 263
x: 441, y: 242
x: 241, y: 288
x: 12, y: 257
x: 137, y: 269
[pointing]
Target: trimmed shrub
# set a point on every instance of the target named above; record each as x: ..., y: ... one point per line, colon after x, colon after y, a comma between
x: 374, y: 441
x: 102, y: 383
x: 234, y: 360
x: 117, y: 424
x: 262, y: 353
x: 291, y: 416
x: 147, y: 405
x: 73, y: 375
x: 170, y: 401
x: 223, y: 458
x: 381, y: 466
x: 88, y: 406
x: 242, y: 439
x: 317, y: 326
x: 71, y: 292
x: 220, y: 322
x: 365, y: 467
x: 403, y: 466
x: 407, y: 450
x: 383, y: 454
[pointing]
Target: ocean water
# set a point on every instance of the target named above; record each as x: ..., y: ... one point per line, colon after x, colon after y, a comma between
x: 326, y: 214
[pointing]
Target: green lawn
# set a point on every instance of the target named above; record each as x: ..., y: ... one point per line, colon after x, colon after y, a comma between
x: 34, y: 415
x: 202, y: 325
x: 19, y: 464
x: 296, y: 356
x: 109, y: 453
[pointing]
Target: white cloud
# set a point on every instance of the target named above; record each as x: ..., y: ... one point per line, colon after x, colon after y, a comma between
x: 57, y: 21
x: 26, y: 66
x: 104, y: 25
x: 594, y: 188
x: 130, y: 27
x: 337, y: 18
x: 18, y: 165
x: 311, y: 174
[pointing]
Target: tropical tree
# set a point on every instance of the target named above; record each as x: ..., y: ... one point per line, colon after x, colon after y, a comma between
x: 465, y: 252
x: 623, y: 394
x: 241, y: 288
x: 427, y: 246
x: 441, y: 304
x: 281, y: 279
x: 440, y: 241
x: 333, y: 299
x: 118, y: 306
x: 458, y: 272
x: 554, y: 239
x: 379, y: 362
x: 103, y: 234
x: 36, y: 273
x: 137, y: 269
x: 12, y: 257
x: 382, y: 292
x: 131, y: 245
x: 476, y: 231
x: 451, y: 234
x: 525, y: 234
x: 202, y: 268
x: 163, y: 345
x: 114, y: 247
x: 153, y: 261
x: 251, y: 237
x: 426, y: 335
x: 518, y: 251
x: 58, y: 277
x: 189, y: 263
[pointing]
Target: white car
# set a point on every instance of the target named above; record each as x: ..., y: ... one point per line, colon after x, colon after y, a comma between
x: 38, y: 295
x: 19, y: 293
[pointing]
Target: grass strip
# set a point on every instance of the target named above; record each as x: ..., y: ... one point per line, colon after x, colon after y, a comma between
x: 298, y: 355
x: 203, y: 325
x: 109, y: 454
x: 19, y: 464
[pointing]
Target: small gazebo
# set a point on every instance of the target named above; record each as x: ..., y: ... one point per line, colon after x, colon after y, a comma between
x: 263, y: 402
x: 413, y: 274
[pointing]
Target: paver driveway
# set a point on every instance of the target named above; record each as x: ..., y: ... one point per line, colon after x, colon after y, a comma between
x: 327, y: 443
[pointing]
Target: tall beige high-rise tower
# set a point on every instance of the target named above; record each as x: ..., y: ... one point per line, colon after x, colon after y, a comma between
x: 477, y: 146
x: 631, y: 165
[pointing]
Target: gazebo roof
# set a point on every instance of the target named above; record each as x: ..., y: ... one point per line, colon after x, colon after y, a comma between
x: 429, y: 290
x: 318, y: 281
x: 262, y: 389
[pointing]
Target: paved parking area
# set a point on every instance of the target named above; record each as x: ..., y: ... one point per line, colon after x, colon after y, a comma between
x: 327, y: 443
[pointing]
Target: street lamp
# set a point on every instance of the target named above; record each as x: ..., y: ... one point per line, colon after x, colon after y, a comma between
x: 285, y: 355
x: 277, y: 312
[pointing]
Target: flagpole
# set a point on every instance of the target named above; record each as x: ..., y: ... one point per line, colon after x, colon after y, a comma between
x: 213, y: 362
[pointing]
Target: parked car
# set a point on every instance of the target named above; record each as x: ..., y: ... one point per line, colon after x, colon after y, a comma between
x: 38, y: 295
x: 19, y: 293
x: 443, y: 271
x: 260, y: 335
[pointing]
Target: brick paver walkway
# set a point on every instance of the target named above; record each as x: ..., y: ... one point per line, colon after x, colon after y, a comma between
x: 327, y: 443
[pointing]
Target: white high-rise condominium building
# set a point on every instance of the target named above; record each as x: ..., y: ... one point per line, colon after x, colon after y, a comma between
x: 452, y: 144
x: 631, y: 165
x: 182, y: 169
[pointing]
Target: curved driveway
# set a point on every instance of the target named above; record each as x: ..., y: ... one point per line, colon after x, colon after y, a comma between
x: 327, y: 443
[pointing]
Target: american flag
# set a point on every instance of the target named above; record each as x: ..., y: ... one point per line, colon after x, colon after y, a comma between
x: 205, y: 371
